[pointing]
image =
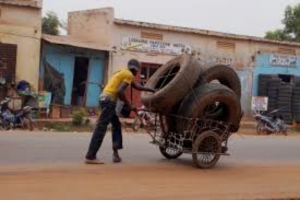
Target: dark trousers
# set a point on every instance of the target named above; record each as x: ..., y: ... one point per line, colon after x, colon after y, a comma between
x: 108, y: 115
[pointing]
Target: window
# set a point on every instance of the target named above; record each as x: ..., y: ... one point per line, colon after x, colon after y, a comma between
x: 287, y: 51
x: 226, y: 46
x: 153, y: 36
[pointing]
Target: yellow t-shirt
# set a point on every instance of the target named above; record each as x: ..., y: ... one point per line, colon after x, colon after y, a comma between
x: 116, y: 80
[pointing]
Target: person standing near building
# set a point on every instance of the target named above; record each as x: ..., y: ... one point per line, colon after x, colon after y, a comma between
x: 114, y: 90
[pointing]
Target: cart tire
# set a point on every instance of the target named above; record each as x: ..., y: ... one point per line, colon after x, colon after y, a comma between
x: 169, y: 156
x: 224, y: 74
x: 208, y: 142
x: 184, y: 70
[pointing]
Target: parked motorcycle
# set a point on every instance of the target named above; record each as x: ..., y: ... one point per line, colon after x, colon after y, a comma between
x: 270, y: 123
x: 15, y: 119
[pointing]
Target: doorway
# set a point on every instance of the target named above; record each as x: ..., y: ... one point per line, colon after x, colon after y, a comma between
x: 285, y: 78
x: 81, y: 70
x: 147, y: 70
x: 8, y: 59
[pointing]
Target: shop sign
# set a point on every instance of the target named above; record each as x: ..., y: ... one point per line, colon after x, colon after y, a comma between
x: 224, y: 61
x: 283, y: 60
x: 153, y: 46
x: 259, y: 103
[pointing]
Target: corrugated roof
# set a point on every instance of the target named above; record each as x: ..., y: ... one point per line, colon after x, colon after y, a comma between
x: 26, y: 3
x: 201, y: 32
x: 74, y: 42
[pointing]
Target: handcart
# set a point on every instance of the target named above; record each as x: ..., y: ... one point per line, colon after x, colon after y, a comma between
x: 206, y: 140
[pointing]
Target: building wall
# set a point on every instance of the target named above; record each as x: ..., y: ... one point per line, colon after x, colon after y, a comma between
x: 242, y: 55
x: 92, y: 25
x: 22, y: 26
x: 263, y: 66
x: 62, y: 58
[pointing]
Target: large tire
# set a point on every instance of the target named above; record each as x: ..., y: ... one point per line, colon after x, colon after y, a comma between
x: 224, y: 74
x: 185, y: 71
x: 195, y: 104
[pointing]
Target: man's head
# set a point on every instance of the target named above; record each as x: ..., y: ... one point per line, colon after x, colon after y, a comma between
x: 134, y: 66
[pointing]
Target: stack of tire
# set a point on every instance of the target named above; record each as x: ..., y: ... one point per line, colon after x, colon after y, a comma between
x: 263, y: 80
x: 186, y: 89
x: 296, y: 100
x: 284, y: 102
x: 273, y: 85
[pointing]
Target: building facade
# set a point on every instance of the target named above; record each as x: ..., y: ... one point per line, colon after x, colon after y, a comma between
x: 155, y: 44
x: 20, y: 40
x: 73, y: 70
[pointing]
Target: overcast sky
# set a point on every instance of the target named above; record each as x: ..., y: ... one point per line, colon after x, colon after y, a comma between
x: 247, y: 17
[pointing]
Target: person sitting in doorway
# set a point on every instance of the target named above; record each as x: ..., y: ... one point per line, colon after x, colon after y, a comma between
x: 114, y: 90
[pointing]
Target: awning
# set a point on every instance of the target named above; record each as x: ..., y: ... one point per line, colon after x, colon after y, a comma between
x: 74, y: 42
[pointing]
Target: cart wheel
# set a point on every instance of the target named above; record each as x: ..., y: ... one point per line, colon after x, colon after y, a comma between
x: 206, y: 149
x: 170, y: 153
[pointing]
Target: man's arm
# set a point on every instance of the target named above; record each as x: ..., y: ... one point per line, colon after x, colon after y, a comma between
x: 141, y: 88
x: 121, y: 93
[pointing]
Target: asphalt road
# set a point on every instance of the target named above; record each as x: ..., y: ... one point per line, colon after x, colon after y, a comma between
x: 17, y: 148
x: 49, y: 166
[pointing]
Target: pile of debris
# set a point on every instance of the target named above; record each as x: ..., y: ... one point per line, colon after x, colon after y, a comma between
x: 189, y: 90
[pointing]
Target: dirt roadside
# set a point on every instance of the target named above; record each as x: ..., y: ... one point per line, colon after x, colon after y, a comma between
x: 159, y: 181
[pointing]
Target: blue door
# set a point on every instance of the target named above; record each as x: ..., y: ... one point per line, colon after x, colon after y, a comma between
x: 95, y: 79
x: 64, y: 64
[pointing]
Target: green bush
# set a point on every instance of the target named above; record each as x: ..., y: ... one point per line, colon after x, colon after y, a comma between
x: 78, y: 117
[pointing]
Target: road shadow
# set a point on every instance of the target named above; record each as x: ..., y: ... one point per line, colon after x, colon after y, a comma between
x: 187, y: 162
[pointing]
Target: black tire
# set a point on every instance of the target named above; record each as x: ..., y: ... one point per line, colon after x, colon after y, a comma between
x: 185, y: 71
x: 168, y: 155
x: 194, y: 105
x: 224, y: 74
x: 296, y: 106
x: 202, y: 144
x: 260, y: 129
x: 265, y: 76
x: 285, y: 99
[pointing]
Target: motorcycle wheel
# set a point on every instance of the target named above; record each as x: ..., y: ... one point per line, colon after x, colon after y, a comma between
x: 260, y: 129
x: 27, y: 124
x: 284, y: 132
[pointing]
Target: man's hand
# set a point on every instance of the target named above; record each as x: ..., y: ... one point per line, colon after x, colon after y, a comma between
x: 142, y: 88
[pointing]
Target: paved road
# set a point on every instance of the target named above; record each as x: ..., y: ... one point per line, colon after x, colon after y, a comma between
x: 49, y: 148
x: 49, y: 166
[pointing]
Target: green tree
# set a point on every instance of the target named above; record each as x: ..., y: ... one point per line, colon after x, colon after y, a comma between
x: 278, y: 34
x: 51, y: 24
x: 291, y: 22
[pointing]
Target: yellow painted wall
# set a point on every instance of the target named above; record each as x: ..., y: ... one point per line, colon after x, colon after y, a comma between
x: 22, y: 26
